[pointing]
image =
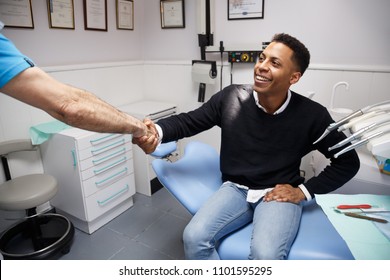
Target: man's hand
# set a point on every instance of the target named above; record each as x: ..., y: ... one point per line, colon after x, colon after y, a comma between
x: 148, y: 142
x: 285, y: 193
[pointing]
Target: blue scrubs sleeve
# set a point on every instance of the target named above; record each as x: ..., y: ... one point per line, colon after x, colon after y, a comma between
x: 12, y: 61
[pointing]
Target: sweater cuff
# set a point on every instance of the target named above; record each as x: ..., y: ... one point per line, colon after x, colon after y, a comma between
x: 305, y: 192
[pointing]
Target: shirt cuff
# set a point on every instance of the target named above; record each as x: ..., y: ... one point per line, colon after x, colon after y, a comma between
x: 160, y: 133
x: 305, y: 192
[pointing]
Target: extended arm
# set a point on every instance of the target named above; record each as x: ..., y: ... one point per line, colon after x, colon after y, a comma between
x: 70, y: 105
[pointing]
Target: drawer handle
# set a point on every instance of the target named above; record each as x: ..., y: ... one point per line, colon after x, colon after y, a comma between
x: 104, y: 138
x: 114, y: 154
x: 74, y: 158
x: 103, y: 202
x: 112, y: 176
x: 98, y: 171
x: 117, y: 143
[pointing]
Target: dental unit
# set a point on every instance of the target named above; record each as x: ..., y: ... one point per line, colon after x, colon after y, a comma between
x: 360, y: 132
x: 360, y: 119
x: 354, y: 136
x: 369, y: 125
x: 381, y: 106
x: 362, y: 142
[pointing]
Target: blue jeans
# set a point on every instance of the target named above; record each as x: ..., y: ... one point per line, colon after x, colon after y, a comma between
x: 275, y: 225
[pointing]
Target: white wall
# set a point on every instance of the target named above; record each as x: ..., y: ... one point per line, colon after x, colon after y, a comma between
x: 336, y: 31
x: 52, y: 47
x: 345, y: 32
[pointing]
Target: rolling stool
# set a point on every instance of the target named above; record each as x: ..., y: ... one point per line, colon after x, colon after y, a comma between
x: 38, y: 236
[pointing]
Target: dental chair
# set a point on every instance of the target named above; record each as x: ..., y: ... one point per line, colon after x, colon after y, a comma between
x: 194, y: 177
x: 39, y: 235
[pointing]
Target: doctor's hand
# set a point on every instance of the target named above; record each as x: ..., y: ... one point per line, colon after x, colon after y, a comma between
x: 285, y: 193
x: 148, y: 142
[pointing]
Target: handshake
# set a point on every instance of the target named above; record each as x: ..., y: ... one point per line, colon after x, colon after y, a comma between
x: 149, y: 141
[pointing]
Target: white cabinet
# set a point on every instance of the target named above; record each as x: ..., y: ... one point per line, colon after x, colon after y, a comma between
x: 145, y: 178
x: 95, y: 175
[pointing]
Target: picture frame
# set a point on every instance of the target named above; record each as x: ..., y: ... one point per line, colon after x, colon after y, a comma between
x: 245, y: 9
x: 61, y: 14
x: 95, y: 15
x: 172, y: 14
x: 125, y: 14
x: 17, y: 13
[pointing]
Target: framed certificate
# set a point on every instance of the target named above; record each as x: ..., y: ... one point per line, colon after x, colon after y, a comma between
x: 16, y: 13
x: 61, y: 13
x: 172, y: 14
x: 95, y: 15
x: 125, y: 14
x: 245, y: 9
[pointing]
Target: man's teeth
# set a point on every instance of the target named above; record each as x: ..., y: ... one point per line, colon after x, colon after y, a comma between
x: 263, y: 79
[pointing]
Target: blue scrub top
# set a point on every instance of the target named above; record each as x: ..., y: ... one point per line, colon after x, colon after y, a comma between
x: 12, y: 61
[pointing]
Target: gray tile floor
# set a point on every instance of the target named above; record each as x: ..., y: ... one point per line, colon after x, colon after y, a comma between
x: 150, y: 230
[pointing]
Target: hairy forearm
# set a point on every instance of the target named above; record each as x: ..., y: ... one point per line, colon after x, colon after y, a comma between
x: 83, y: 109
x: 71, y: 105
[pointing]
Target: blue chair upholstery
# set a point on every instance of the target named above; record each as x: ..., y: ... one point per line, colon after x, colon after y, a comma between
x: 193, y: 178
x: 165, y: 149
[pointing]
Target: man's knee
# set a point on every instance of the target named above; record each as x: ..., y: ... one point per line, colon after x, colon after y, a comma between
x: 194, y: 233
x: 267, y: 253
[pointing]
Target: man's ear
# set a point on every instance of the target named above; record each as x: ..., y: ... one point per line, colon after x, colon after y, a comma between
x: 295, y: 77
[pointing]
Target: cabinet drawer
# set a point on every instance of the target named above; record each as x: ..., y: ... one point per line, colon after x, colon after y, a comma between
x: 105, y: 179
x: 106, y: 159
x: 104, y: 145
x: 94, y: 139
x: 109, y: 168
x: 104, y: 200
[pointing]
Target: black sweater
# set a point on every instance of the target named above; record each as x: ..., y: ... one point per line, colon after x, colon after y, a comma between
x: 259, y: 150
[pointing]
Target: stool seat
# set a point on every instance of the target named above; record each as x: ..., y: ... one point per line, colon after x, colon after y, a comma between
x: 14, y: 195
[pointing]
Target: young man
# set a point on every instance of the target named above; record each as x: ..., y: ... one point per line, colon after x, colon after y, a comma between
x: 266, y: 129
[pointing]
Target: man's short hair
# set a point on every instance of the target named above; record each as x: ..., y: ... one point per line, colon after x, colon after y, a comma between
x: 301, y: 55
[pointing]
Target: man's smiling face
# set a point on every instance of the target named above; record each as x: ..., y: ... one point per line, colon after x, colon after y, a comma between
x: 275, y: 70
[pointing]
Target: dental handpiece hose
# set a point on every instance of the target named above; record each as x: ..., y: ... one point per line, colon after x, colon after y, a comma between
x: 354, y: 136
x: 361, y: 142
x: 355, y: 114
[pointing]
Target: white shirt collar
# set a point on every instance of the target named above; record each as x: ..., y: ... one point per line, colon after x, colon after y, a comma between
x: 280, y: 110
x: 1, y: 25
